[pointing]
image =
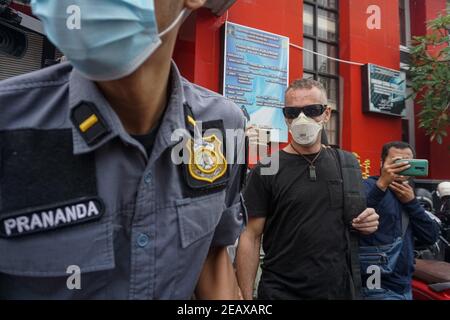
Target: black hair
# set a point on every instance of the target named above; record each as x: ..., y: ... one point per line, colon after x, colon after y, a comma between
x: 395, y: 144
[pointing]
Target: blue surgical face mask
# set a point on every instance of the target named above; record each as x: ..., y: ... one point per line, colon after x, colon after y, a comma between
x: 103, y: 39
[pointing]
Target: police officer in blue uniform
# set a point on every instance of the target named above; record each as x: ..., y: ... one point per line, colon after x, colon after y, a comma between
x: 92, y: 203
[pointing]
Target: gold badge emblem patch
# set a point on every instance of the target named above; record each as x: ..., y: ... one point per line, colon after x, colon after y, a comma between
x: 206, y: 160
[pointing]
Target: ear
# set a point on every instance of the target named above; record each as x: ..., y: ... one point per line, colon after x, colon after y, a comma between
x: 327, y: 115
x: 194, y: 4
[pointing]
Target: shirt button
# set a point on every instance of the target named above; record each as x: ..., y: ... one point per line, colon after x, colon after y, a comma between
x: 143, y: 240
x: 148, y: 178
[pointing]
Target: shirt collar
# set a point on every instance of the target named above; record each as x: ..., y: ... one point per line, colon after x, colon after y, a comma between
x: 84, y: 90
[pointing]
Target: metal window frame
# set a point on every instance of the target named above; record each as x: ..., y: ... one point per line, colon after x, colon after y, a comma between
x: 316, y: 40
x: 408, y: 35
x: 409, y: 103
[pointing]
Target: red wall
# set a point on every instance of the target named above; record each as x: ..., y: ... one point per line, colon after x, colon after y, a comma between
x: 438, y: 155
x: 23, y: 8
x: 203, y: 40
x: 366, y: 133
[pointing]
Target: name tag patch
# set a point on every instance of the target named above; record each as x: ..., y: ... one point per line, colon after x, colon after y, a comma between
x: 42, y: 219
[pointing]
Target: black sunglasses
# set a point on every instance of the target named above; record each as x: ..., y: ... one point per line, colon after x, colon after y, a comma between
x: 311, y: 111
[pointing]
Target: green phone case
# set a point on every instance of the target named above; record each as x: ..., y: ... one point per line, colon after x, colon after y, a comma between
x: 419, y: 167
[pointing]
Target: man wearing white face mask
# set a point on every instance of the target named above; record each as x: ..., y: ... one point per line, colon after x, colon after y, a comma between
x: 300, y: 212
x: 91, y: 204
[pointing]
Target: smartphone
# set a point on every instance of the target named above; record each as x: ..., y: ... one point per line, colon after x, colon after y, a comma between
x: 419, y: 167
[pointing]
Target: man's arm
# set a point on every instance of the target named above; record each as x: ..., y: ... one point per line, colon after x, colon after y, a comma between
x: 374, y: 194
x: 247, y: 259
x: 217, y: 280
x: 424, y: 228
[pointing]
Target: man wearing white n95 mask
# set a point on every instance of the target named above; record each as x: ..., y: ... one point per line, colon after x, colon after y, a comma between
x: 96, y: 132
x: 300, y: 212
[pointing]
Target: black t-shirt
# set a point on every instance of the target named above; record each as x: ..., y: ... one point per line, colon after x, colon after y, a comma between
x: 148, y: 140
x: 304, y: 235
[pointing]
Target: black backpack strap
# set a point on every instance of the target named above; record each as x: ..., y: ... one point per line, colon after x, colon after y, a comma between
x: 354, y: 204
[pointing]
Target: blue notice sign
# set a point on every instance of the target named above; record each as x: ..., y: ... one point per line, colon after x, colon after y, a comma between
x: 384, y: 90
x: 256, y: 76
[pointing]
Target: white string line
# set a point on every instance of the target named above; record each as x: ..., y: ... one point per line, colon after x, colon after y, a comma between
x: 325, y: 56
x: 313, y: 52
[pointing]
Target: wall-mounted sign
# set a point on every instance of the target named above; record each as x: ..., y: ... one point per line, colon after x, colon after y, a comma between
x: 384, y: 90
x: 256, y: 76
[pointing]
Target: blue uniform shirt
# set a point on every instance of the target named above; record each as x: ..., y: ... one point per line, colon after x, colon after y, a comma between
x: 130, y: 223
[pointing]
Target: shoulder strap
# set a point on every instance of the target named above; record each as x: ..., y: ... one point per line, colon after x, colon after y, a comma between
x: 354, y: 196
x: 405, y: 223
x: 354, y: 204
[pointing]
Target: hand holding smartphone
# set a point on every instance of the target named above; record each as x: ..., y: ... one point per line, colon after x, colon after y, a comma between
x: 419, y: 167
